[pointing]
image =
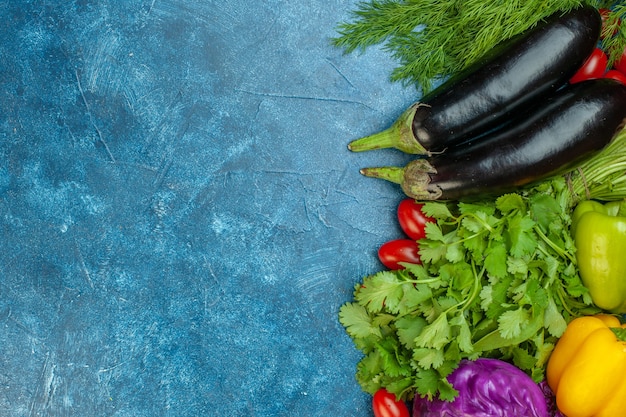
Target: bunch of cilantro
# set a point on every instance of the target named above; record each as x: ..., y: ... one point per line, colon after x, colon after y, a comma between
x: 498, y: 279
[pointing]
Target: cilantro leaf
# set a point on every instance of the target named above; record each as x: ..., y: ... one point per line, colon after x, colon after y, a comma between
x: 427, y: 382
x: 393, y: 361
x: 433, y: 231
x: 545, y: 210
x: 460, y: 277
x: 550, y: 266
x: 408, y: 328
x: 417, y: 272
x: 357, y: 322
x: 496, y: 340
x: 476, y: 208
x: 517, y: 266
x: 530, y: 293
x: 464, y: 334
x: 543, y: 350
x: 475, y: 243
x: 400, y: 384
x: 476, y: 223
x: 510, y: 203
x: 383, y: 320
x: 486, y: 296
x: 553, y: 319
x: 519, y: 229
x: 495, y: 297
x: 436, y: 334
x: 436, y: 210
x: 523, y: 359
x: 428, y: 357
x: 510, y: 322
x: 455, y: 252
x: 415, y: 297
x: 447, y: 392
x: 432, y: 251
x: 379, y: 289
x: 368, y: 372
x: 495, y: 260
x: 397, y: 303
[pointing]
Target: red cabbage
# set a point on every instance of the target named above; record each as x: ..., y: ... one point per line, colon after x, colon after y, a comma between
x: 487, y: 388
x: 551, y: 399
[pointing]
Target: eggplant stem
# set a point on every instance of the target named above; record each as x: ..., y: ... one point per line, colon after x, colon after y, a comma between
x: 381, y: 140
x: 392, y: 174
x: 399, y: 135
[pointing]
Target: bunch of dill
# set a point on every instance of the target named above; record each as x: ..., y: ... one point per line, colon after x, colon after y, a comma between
x: 432, y: 39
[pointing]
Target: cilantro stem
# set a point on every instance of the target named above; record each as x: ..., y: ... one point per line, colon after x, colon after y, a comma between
x: 602, y: 176
x: 467, y: 238
x: 421, y: 281
x: 553, y: 246
x: 560, y: 292
x: 467, y: 302
x: 475, y: 217
x: 477, y: 285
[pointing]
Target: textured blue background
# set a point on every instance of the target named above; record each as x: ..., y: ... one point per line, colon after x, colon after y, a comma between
x: 180, y: 217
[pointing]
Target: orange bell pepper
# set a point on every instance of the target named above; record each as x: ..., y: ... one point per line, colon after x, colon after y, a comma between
x: 587, y: 369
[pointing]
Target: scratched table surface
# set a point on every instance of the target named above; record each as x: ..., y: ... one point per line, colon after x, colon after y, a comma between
x: 181, y: 219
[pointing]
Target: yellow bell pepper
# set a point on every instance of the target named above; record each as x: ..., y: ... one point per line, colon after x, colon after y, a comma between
x: 587, y: 369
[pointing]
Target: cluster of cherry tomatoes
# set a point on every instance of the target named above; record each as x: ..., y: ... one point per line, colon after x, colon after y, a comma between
x: 413, y: 222
x: 596, y: 65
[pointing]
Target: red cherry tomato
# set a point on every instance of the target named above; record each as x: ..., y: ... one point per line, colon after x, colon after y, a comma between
x: 411, y: 218
x: 616, y: 75
x: 385, y: 405
x: 400, y: 250
x: 594, y: 67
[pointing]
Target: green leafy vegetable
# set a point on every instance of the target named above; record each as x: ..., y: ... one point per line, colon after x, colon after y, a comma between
x: 432, y: 39
x: 492, y: 283
x: 498, y: 279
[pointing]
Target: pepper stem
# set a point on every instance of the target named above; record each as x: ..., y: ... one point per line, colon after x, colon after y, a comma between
x: 399, y: 135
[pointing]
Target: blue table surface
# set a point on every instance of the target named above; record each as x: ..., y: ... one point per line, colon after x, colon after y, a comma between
x: 181, y: 219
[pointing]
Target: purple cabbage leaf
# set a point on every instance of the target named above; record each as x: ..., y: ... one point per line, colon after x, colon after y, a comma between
x: 488, y: 388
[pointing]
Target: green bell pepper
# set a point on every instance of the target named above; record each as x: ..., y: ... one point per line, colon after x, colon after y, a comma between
x: 599, y: 232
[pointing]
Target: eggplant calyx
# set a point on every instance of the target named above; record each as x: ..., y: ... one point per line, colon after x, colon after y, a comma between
x: 414, y: 178
x: 399, y: 135
x: 417, y: 181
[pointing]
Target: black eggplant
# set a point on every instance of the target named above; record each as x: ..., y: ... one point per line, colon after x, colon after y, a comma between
x: 518, y: 72
x: 572, y: 125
